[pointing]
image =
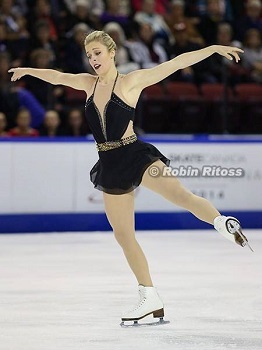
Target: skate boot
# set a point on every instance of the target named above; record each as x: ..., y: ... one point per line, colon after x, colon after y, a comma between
x: 230, y: 228
x: 149, y: 303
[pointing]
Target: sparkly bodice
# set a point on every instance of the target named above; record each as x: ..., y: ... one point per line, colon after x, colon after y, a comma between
x: 113, y: 123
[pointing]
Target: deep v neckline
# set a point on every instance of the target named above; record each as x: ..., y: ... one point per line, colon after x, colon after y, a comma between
x: 102, y: 118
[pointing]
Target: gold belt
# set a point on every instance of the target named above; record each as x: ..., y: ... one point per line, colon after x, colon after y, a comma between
x: 108, y: 145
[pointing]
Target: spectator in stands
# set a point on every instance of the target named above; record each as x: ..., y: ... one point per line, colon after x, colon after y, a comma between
x: 70, y: 6
x: 17, y: 47
x: 251, y: 19
x: 43, y: 10
x: 123, y: 59
x: 7, y: 16
x: 51, y: 125
x: 19, y: 41
x: 97, y: 7
x: 41, y: 58
x: 11, y: 7
x: 42, y: 39
x: 22, y: 31
x: 147, y: 52
x: 23, y: 128
x: 76, y: 123
x: 113, y: 14
x: 3, y: 125
x: 209, y: 23
x: 228, y: 7
x: 14, y: 35
x: 82, y: 13
x: 161, y: 6
x: 252, y: 57
x: 14, y: 97
x: 75, y: 56
x: 21, y: 6
x: 9, y: 102
x: 216, y: 66
x: 148, y: 15
x: 176, y: 17
x: 183, y: 44
x: 126, y: 8
x: 225, y: 35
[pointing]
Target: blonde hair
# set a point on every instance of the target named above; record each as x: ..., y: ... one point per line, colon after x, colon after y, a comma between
x: 102, y: 37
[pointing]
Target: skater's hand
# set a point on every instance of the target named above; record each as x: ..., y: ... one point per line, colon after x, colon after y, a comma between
x: 17, y: 73
x: 228, y: 51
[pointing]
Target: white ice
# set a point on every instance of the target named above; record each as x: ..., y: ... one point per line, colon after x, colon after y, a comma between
x: 68, y: 290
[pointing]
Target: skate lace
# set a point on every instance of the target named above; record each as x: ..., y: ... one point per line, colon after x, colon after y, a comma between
x: 140, y: 304
x: 141, y: 301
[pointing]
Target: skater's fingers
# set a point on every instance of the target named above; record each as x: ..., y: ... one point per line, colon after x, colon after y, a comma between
x: 15, y: 77
x: 237, y: 58
x: 229, y: 57
x: 237, y: 49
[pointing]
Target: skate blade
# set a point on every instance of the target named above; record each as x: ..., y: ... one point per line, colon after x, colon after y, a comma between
x: 136, y: 324
x: 245, y: 240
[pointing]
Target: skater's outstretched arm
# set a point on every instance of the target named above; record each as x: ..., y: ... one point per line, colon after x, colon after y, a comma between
x: 142, y: 78
x: 77, y: 81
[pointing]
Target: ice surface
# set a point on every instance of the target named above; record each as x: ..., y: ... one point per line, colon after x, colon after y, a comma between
x: 68, y: 290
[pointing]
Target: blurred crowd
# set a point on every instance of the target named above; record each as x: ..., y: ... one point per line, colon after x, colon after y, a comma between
x: 50, y: 34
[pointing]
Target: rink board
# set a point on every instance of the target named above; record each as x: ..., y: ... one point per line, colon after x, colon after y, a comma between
x: 45, y: 184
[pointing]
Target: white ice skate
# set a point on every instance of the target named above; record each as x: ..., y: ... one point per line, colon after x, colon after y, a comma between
x: 230, y: 228
x: 149, y: 303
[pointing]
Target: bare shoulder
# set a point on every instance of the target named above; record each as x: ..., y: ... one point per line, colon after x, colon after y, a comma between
x: 129, y: 88
x: 86, y: 80
x: 139, y: 79
x: 130, y: 81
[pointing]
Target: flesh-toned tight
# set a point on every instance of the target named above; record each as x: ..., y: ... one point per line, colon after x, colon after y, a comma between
x: 120, y: 213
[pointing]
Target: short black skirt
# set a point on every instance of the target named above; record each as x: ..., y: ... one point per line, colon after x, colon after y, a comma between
x: 121, y: 169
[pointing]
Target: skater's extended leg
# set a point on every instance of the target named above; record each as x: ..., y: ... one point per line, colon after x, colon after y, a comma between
x: 120, y: 213
x: 173, y: 190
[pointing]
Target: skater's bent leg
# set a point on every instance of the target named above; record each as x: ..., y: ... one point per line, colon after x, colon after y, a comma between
x: 173, y: 190
x: 120, y: 213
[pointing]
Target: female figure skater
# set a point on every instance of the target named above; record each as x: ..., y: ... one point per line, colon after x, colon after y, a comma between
x: 124, y: 160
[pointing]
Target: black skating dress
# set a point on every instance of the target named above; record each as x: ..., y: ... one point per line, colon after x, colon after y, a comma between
x: 118, y: 170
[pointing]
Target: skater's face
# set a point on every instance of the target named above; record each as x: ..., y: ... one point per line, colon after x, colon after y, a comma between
x: 100, y: 58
